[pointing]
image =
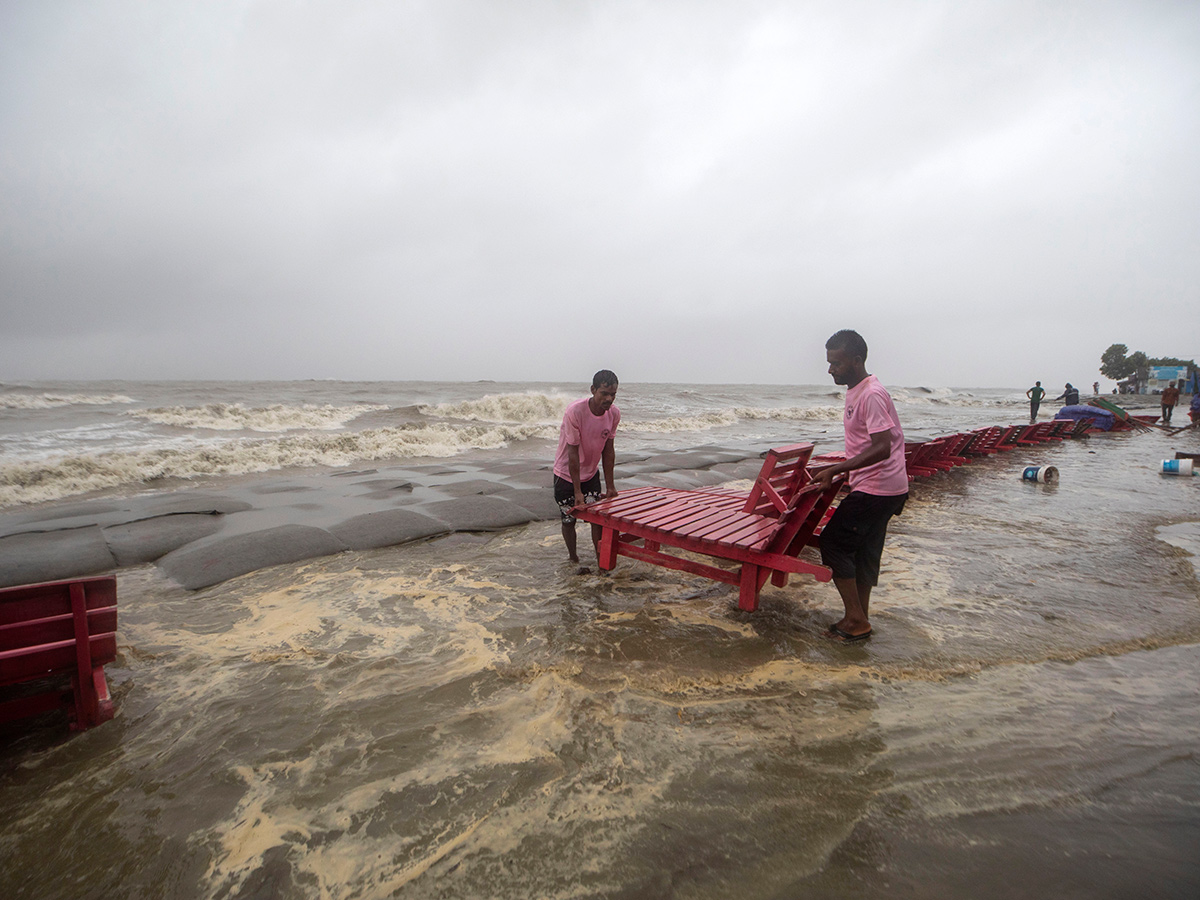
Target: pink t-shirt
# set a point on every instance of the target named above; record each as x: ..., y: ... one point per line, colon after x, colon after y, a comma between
x: 587, y: 432
x: 870, y: 410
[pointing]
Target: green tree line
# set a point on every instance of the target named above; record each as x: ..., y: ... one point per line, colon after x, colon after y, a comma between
x: 1118, y: 363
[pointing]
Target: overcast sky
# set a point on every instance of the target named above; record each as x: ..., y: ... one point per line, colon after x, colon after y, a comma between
x: 681, y: 191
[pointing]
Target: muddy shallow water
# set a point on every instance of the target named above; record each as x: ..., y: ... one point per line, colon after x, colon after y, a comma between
x: 466, y: 718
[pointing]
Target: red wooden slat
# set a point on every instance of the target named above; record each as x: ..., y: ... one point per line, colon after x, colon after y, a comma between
x: 55, y: 628
x: 678, y: 563
x: 36, y: 662
x: 26, y: 602
x: 718, y: 523
x: 713, y: 521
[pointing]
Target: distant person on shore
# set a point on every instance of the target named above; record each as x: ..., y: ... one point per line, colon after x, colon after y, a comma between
x: 1194, y: 409
x: 852, y: 540
x: 1070, y: 396
x: 1170, y: 397
x: 585, y: 444
x: 1095, y: 389
x: 1035, y: 395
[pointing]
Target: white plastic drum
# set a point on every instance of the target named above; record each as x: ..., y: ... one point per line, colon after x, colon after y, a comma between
x: 1043, y: 474
x: 1177, y: 467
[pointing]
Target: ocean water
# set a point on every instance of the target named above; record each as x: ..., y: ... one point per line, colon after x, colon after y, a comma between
x: 467, y: 718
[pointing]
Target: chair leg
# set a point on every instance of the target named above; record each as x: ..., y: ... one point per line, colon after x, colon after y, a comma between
x: 608, y: 549
x: 748, y: 588
x: 87, y: 703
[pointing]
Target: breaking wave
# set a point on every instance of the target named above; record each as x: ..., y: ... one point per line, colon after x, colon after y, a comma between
x: 791, y: 413
x: 236, y: 417
x: 52, y: 401
x: 701, y: 422
x: 32, y: 482
x: 947, y: 397
x: 530, y: 406
x: 723, y: 418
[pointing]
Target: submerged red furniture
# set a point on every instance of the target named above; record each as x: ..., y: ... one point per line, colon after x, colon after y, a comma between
x: 55, y: 629
x: 764, y: 531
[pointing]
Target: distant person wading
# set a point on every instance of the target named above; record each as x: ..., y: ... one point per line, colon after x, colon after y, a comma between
x: 1069, y: 397
x: 1035, y: 395
x: 1170, y: 397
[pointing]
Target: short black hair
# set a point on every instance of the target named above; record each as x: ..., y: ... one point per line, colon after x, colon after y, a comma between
x: 604, y: 376
x: 850, y: 341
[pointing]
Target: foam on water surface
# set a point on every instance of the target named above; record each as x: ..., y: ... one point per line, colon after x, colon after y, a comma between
x: 237, y: 417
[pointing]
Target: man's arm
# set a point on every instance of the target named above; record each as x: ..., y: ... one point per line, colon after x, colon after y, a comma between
x: 608, y: 458
x: 573, y: 468
x: 880, y: 449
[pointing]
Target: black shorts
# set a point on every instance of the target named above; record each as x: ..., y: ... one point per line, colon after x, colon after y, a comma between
x: 564, y: 495
x: 852, y: 539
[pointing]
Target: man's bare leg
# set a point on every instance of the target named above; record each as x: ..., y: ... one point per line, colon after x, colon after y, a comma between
x: 568, y: 532
x: 856, y: 598
x: 597, y: 532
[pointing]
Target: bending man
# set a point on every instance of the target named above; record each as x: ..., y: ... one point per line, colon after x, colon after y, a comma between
x: 852, y: 540
x: 585, y: 442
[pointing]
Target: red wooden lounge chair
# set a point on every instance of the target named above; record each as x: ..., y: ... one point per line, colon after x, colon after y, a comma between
x: 1037, y: 433
x: 953, y: 445
x: 984, y: 441
x: 1008, y: 437
x: 1062, y: 428
x: 917, y: 459
x: 56, y: 629
x: 763, y: 531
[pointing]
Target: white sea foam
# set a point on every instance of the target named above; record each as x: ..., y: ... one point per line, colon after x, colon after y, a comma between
x: 236, y: 417
x: 53, y: 401
x: 30, y: 482
x: 529, y: 406
x: 791, y: 413
x: 672, y: 424
x: 947, y: 397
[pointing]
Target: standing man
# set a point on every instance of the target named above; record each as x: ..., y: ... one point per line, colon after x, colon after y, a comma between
x: 1169, y: 398
x: 1035, y: 395
x: 585, y: 442
x: 852, y: 540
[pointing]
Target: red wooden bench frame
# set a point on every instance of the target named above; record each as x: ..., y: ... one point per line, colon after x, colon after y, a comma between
x: 59, y: 628
x: 1062, y: 428
x: 983, y: 442
x: 764, y: 531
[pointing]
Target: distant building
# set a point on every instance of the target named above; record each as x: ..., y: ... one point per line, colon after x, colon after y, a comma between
x: 1162, y: 376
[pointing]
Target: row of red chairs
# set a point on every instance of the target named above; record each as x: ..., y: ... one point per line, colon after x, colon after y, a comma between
x: 925, y: 458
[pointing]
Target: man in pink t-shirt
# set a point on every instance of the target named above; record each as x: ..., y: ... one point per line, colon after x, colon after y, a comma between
x: 852, y: 539
x: 585, y: 443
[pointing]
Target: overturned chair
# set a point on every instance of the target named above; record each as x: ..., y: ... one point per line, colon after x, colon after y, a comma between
x: 763, y: 531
